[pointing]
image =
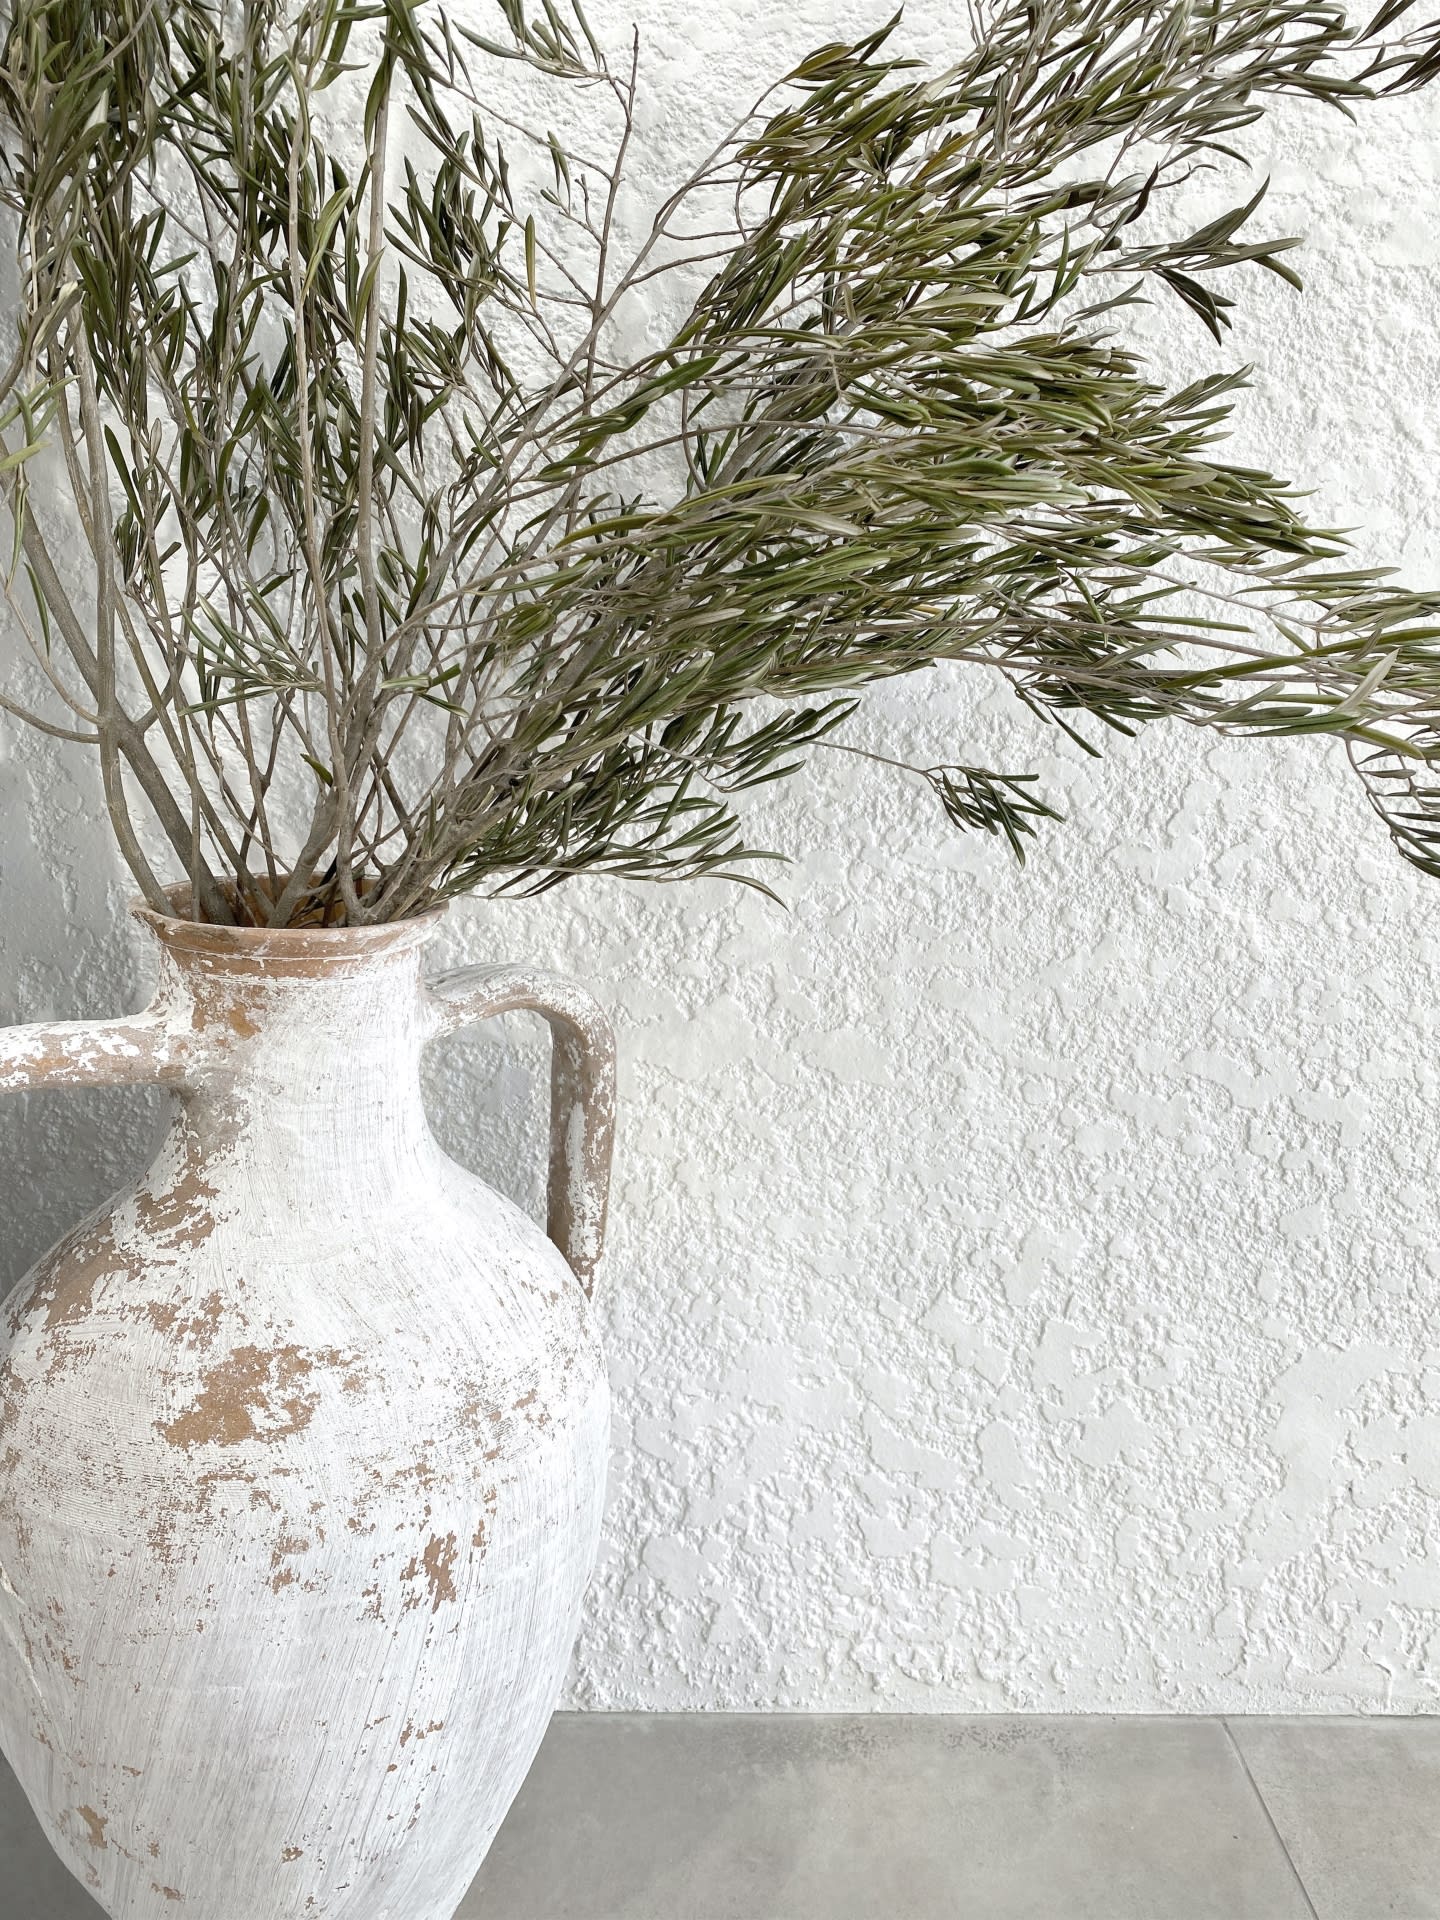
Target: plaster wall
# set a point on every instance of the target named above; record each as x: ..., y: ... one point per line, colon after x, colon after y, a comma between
x: 1024, y: 1290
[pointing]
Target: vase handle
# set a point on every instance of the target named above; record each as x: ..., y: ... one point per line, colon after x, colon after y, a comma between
x: 582, y: 1091
x: 91, y: 1053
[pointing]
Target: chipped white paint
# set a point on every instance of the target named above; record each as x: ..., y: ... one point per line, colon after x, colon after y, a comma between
x: 302, y: 1448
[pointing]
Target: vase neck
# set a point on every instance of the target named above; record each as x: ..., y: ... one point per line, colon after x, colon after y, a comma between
x: 304, y: 1055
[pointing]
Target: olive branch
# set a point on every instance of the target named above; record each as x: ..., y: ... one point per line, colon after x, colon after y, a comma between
x: 411, y: 575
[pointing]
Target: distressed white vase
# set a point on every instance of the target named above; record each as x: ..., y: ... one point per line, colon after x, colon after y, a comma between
x: 302, y: 1444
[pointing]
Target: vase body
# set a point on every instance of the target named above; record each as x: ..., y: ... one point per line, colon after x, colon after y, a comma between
x: 302, y: 1448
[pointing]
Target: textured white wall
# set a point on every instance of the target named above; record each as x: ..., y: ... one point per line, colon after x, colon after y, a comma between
x: 1023, y: 1291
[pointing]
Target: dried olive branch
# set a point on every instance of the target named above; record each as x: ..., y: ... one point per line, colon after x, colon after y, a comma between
x: 411, y: 576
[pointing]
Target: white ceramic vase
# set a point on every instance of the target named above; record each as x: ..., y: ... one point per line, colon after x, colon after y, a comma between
x: 302, y: 1444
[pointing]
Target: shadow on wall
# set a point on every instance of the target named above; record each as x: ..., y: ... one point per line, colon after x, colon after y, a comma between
x: 67, y: 952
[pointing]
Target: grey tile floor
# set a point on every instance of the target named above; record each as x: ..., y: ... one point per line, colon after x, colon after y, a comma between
x: 890, y: 1817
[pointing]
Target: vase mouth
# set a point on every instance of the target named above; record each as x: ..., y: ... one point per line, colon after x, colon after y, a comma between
x: 305, y: 949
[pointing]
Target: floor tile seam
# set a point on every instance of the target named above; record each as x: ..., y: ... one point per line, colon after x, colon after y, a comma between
x: 1270, y: 1820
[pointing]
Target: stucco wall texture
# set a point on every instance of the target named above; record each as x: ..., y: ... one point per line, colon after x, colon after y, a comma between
x: 1023, y: 1285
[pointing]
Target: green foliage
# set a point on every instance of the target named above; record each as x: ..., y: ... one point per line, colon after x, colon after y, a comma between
x: 410, y: 578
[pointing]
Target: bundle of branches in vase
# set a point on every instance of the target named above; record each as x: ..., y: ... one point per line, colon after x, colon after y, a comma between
x: 382, y: 555
x: 408, y: 574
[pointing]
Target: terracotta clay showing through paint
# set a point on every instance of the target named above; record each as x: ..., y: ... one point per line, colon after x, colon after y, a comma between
x: 302, y: 1444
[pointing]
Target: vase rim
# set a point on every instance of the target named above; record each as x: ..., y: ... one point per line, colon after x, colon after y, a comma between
x: 315, y: 944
